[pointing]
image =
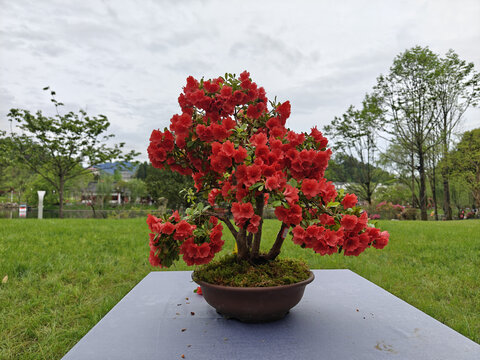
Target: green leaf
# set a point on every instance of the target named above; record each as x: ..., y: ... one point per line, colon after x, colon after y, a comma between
x: 333, y: 204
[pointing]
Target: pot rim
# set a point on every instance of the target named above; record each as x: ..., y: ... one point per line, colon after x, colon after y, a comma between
x: 257, y: 288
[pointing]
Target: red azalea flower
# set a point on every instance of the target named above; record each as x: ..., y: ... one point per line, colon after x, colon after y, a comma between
x: 175, y: 216
x: 183, y: 230
x: 240, y: 154
x: 242, y: 192
x: 291, y: 194
x: 254, y: 173
x: 152, y: 222
x: 262, y: 151
x: 228, y: 123
x: 212, y: 195
x: 273, y: 122
x: 219, y: 132
x: 242, y: 212
x: 326, y: 219
x: 319, y: 138
x: 348, y: 222
x: 254, y: 224
x: 154, y: 259
x: 228, y: 148
x: 226, y: 91
x: 283, y: 111
x: 291, y: 216
x: 349, y: 201
x: 298, y: 235
x: 310, y: 188
x: 168, y: 228
x: 254, y: 111
x: 245, y: 75
x: 258, y: 139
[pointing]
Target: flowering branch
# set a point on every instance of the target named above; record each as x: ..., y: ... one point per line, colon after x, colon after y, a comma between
x: 242, y: 158
x: 258, y: 236
x: 277, y: 245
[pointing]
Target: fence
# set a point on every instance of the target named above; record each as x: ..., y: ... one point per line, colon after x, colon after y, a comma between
x: 32, y: 213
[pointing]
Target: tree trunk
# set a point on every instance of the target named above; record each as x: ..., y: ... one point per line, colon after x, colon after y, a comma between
x: 258, y: 236
x: 412, y: 186
x: 434, y: 190
x: 275, y: 250
x: 60, y: 197
x: 369, y: 193
x: 447, y: 207
x: 241, y: 240
x: 422, y: 192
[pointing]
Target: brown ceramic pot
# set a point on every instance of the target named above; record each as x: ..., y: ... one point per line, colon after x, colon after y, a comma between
x: 254, y: 304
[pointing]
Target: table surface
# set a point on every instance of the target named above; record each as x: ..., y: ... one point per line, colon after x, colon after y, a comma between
x: 341, y: 316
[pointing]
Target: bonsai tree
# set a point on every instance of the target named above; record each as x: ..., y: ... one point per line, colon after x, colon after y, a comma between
x: 234, y: 143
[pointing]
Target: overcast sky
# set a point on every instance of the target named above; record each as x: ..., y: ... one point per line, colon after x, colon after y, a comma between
x: 129, y: 59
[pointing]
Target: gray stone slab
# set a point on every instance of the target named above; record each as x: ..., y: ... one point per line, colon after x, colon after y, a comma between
x: 342, y: 316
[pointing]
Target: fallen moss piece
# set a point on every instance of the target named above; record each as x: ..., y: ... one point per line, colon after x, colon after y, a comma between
x: 231, y: 271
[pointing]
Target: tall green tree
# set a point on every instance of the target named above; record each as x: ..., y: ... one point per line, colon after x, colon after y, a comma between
x: 14, y: 176
x: 457, y: 89
x: 57, y: 147
x: 355, y: 133
x: 162, y: 183
x: 401, y: 162
x: 465, y: 162
x: 105, y: 187
x: 137, y: 189
x: 408, y: 94
x: 347, y: 169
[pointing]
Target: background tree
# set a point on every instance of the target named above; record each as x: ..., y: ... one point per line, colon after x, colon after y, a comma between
x: 465, y: 162
x: 105, y: 187
x: 66, y: 142
x: 432, y: 159
x: 458, y: 88
x: 15, y: 179
x: 14, y: 176
x: 356, y: 133
x: 347, y: 169
x: 408, y: 96
x: 401, y: 162
x: 162, y: 183
x: 137, y: 189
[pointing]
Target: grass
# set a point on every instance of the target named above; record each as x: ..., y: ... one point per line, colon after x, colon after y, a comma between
x: 65, y: 275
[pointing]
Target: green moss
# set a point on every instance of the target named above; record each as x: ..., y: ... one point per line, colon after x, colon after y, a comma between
x: 231, y: 271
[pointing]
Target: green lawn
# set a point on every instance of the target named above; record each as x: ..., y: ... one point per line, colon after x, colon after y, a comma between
x: 65, y: 275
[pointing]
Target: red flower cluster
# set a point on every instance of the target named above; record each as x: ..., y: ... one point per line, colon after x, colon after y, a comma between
x: 289, y: 216
x: 206, y: 125
x: 240, y: 153
x: 180, y: 234
x: 358, y: 236
x: 353, y: 237
x: 195, y: 254
x: 349, y: 201
x: 321, y: 240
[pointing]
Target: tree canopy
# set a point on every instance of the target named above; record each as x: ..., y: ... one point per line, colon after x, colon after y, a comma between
x: 163, y: 183
x: 465, y: 162
x: 62, y: 147
x: 356, y: 133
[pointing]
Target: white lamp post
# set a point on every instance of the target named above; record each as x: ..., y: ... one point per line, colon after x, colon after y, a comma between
x: 41, y: 194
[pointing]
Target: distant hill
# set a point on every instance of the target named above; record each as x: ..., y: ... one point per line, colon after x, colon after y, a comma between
x: 122, y: 166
